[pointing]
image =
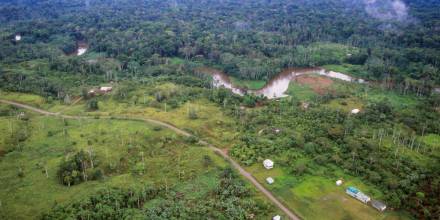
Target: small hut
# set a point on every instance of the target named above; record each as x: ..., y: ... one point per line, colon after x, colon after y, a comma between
x: 268, y: 164
x: 338, y: 182
x: 270, y: 180
x: 106, y: 89
x: 378, y: 205
x: 355, y: 111
x: 355, y: 193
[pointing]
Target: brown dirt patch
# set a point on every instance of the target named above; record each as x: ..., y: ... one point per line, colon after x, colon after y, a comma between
x: 225, y: 150
x: 319, y: 84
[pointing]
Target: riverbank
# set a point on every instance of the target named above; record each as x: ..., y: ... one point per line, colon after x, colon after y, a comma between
x: 278, y: 86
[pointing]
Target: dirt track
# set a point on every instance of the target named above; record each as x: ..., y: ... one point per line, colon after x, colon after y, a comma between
x: 237, y: 166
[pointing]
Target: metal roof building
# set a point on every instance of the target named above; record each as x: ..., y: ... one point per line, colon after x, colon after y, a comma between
x: 352, y: 191
x: 378, y: 205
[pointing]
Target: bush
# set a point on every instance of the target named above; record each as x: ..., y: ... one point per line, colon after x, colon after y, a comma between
x: 81, y: 167
x: 192, y: 114
x: 192, y: 139
x: 92, y: 105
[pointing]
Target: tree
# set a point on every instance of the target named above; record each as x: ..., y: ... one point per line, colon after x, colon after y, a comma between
x: 92, y: 105
x: 67, y: 99
x: 192, y: 114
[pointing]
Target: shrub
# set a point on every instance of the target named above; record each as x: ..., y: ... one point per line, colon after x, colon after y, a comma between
x: 81, y: 167
x: 92, y: 105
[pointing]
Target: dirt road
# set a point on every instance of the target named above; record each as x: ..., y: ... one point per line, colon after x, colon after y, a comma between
x: 237, y: 166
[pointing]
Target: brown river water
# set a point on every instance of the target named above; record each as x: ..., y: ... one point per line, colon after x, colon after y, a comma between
x: 278, y: 85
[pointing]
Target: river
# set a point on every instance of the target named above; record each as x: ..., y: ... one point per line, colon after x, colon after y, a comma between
x: 278, y: 85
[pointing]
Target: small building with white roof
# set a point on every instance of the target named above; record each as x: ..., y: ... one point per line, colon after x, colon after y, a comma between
x: 270, y: 180
x: 268, y: 164
x: 338, y: 182
x: 378, y: 205
x: 355, y: 111
x: 277, y: 217
x: 106, y: 89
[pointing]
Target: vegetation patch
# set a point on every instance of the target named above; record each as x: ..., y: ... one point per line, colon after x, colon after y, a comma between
x: 319, y: 84
x: 248, y: 84
x: 229, y: 199
x: 124, y: 153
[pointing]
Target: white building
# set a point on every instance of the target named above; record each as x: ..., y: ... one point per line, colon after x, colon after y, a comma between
x: 338, y: 182
x: 378, y: 205
x: 17, y: 37
x: 81, y: 51
x: 105, y: 89
x: 270, y: 180
x: 277, y: 217
x: 355, y: 111
x: 268, y: 164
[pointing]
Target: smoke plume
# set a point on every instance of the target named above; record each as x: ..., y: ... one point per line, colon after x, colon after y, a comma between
x: 387, y: 10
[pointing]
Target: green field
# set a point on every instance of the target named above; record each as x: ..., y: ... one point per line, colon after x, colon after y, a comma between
x: 248, y: 84
x: 130, y: 153
x: 318, y: 197
x: 301, y: 92
x: 121, y: 144
x: 432, y: 140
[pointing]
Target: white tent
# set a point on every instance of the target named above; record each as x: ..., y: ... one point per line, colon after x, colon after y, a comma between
x: 268, y: 164
x: 270, y: 180
x: 339, y: 182
x: 106, y: 89
x: 355, y: 111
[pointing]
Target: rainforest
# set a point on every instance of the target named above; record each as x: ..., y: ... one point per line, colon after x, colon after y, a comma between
x: 220, y: 109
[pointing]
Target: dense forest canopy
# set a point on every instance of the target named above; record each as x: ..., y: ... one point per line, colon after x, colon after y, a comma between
x: 251, y: 39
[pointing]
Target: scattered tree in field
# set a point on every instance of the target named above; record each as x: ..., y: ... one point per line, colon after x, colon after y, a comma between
x: 78, y: 168
x: 92, y: 105
x: 192, y: 113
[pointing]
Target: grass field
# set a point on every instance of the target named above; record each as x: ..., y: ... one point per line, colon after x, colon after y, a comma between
x: 314, y: 196
x: 35, y: 101
x: 123, y: 148
x: 211, y: 124
x: 249, y: 84
x: 318, y: 197
x: 432, y: 140
x: 301, y: 92
x: 30, y: 99
x: 346, y: 104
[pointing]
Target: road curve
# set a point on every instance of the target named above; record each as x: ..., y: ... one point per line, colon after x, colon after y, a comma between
x: 237, y: 166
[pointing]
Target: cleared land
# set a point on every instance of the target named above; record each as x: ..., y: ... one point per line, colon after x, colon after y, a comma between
x: 244, y: 173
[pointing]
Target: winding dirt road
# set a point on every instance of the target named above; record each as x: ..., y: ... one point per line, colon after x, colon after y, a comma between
x: 237, y: 166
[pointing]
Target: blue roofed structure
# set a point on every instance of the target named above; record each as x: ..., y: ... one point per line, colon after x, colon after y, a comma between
x: 352, y: 191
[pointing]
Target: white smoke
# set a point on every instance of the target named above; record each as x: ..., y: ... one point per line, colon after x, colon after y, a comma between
x: 387, y: 10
